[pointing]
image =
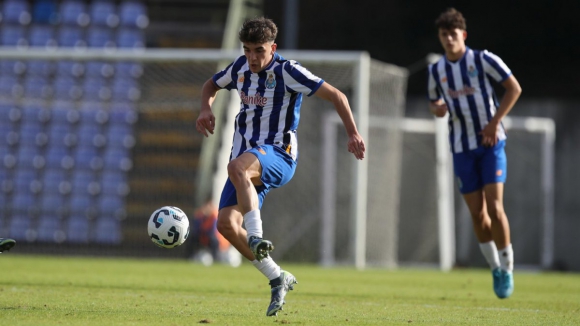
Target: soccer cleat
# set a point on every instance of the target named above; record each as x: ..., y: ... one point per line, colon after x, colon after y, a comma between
x: 6, y: 244
x: 280, y: 287
x: 260, y: 248
x: 503, y: 283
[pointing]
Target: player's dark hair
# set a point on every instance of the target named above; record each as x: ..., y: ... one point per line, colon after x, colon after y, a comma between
x: 451, y: 19
x: 258, y: 30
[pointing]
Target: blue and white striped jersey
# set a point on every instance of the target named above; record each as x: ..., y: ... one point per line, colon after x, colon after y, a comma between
x: 465, y: 86
x: 270, y: 102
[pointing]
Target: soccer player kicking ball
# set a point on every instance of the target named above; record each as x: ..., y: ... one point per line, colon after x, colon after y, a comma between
x: 459, y: 84
x: 265, y: 146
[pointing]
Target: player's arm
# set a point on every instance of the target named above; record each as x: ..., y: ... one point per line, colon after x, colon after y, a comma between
x: 512, y: 93
x: 356, y: 144
x: 206, y: 120
x: 438, y: 108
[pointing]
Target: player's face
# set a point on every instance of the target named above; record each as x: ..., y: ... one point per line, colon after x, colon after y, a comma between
x: 259, y: 55
x: 453, y: 40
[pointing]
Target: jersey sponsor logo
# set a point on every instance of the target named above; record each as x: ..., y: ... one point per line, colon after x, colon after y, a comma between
x: 461, y: 92
x: 472, y: 72
x: 257, y: 99
x: 270, y: 82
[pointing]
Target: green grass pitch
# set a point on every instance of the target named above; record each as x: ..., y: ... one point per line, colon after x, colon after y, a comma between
x: 41, y: 290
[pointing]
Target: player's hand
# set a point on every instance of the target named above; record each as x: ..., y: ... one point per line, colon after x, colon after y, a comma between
x: 356, y: 145
x: 440, y: 110
x: 205, y: 122
x: 489, y: 135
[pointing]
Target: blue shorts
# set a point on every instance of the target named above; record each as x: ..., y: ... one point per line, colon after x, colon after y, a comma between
x: 481, y: 166
x: 278, y: 168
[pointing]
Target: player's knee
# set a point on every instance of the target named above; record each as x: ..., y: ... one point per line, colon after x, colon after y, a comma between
x: 236, y: 171
x: 225, y: 227
x: 496, y: 211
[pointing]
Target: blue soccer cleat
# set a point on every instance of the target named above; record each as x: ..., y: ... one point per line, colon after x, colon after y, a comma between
x: 260, y: 248
x: 280, y: 287
x: 503, y: 283
x: 6, y: 244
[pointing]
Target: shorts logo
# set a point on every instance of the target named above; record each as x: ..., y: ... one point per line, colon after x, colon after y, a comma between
x: 261, y: 150
x: 498, y: 173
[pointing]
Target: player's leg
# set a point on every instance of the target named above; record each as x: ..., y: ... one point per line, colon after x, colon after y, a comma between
x: 6, y: 244
x: 229, y: 224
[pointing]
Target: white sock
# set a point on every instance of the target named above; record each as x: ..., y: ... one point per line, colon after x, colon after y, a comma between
x: 253, y: 224
x: 489, y: 251
x: 267, y: 267
x: 506, y: 258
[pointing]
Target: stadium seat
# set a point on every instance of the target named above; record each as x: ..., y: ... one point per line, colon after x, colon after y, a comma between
x: 82, y: 204
x: 16, y: 12
x: 14, y: 36
x: 125, y: 69
x: 74, y: 13
x: 58, y: 157
x: 108, y: 231
x: 84, y: 182
x: 23, y: 203
x: 87, y: 157
x: 96, y: 89
x: 32, y: 134
x: 66, y: 88
x: 125, y: 89
x: 20, y: 227
x: 45, y: 12
x: 42, y: 68
x: 37, y: 87
x: 94, y: 113
x: 64, y: 112
x: 99, y: 69
x: 12, y: 67
x: 90, y: 135
x: 71, y: 36
x: 70, y: 68
x: 55, y: 181
x: 24, y: 177
x: 49, y: 229
x: 77, y: 229
x: 133, y: 14
x: 123, y: 113
x: 114, y: 183
x: 10, y: 85
x: 8, y: 158
x: 100, y: 37
x: 117, y: 158
x: 130, y: 38
x: 30, y: 157
x: 42, y: 36
x: 53, y: 204
x: 104, y: 13
x: 120, y: 135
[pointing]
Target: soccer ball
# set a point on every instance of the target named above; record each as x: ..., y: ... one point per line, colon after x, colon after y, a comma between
x: 168, y: 227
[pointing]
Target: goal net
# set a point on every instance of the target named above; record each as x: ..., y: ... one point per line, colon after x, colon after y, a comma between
x: 93, y: 141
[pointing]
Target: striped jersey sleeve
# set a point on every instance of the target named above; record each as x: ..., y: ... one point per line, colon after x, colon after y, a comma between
x: 494, y: 66
x: 300, y: 79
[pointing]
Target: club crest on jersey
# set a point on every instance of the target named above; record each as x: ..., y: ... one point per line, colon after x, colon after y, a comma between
x: 270, y: 81
x: 472, y: 72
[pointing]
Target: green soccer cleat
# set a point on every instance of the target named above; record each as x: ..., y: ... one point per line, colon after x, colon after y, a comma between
x: 260, y: 248
x: 503, y: 283
x: 280, y: 287
x: 6, y: 244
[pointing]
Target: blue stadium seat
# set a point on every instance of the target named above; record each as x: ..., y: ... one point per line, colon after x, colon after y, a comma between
x: 23, y: 179
x: 71, y: 36
x: 117, y: 158
x: 125, y: 89
x: 55, y: 181
x: 37, y: 87
x: 104, y: 13
x: 66, y: 88
x: 130, y: 38
x: 77, y: 229
x: 53, y: 204
x: 90, y: 135
x: 108, y: 231
x: 61, y: 134
x: 99, y: 69
x: 9, y: 112
x: 23, y: 203
x: 13, y: 36
x: 85, y: 182
x: 74, y: 13
x: 122, y: 134
x: 94, y: 113
x: 49, y: 228
x: 82, y: 204
x: 7, y: 157
x: 126, y: 69
x: 100, y: 37
x: 42, y: 68
x: 12, y: 67
x: 133, y: 14
x: 64, y: 112
x: 45, y: 12
x: 70, y: 68
x: 10, y: 85
x: 114, y: 183
x: 42, y: 35
x: 32, y: 134
x: 30, y: 157
x: 123, y: 113
x: 16, y: 12
x: 87, y: 157
x: 96, y: 89
x: 20, y: 227
x: 58, y: 157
